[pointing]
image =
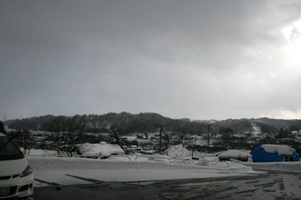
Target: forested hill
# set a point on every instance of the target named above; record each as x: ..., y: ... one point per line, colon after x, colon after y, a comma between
x: 127, y: 123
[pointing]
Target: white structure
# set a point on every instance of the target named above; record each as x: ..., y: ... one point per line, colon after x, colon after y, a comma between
x: 234, y: 154
x: 100, y: 150
x: 178, y: 151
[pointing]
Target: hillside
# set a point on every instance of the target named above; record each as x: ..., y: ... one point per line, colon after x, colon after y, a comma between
x: 127, y: 123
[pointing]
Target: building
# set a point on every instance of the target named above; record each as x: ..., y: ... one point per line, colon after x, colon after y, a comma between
x: 274, y: 153
x: 101, y: 150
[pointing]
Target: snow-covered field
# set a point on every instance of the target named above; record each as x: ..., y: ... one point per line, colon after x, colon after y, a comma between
x: 49, y: 169
x: 69, y: 171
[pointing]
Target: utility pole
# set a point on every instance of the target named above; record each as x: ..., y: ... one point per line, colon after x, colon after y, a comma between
x: 160, y: 140
x: 208, y: 135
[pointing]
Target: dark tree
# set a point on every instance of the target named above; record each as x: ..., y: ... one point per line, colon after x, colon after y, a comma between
x: 166, y: 140
x: 114, y: 138
x: 283, y: 133
x: 225, y: 130
x: 2, y: 128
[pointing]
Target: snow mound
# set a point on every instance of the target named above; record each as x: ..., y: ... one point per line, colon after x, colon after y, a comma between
x: 280, y: 149
x: 178, y: 151
x: 234, y: 153
x: 40, y: 152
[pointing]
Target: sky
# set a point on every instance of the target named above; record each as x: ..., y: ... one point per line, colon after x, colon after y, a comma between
x: 194, y: 59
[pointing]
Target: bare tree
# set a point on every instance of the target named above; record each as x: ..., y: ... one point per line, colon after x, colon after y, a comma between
x: 68, y: 133
x: 114, y: 138
x: 23, y: 139
x: 167, y: 140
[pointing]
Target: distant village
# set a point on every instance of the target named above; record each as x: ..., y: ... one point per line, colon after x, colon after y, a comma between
x: 100, y: 136
x: 104, y: 145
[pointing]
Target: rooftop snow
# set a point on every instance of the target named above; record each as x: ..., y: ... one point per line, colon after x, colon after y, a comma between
x: 234, y: 153
x: 280, y: 149
x: 100, y: 149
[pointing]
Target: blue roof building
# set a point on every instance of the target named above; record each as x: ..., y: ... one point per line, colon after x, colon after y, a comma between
x: 274, y: 153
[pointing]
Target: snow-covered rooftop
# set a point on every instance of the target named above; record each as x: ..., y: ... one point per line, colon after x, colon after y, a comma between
x: 280, y: 149
x: 102, y: 149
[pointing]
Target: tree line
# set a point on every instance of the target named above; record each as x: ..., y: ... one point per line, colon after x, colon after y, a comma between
x: 127, y: 123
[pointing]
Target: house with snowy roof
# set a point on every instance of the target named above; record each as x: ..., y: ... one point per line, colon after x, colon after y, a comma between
x: 101, y: 150
x: 274, y: 153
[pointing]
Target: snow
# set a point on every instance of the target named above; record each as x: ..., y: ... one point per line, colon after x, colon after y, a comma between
x: 102, y: 149
x: 178, y: 151
x: 276, y: 166
x: 70, y: 171
x: 233, y: 153
x: 52, y: 170
x: 124, y: 168
x: 39, y: 152
x: 256, y: 130
x: 280, y: 149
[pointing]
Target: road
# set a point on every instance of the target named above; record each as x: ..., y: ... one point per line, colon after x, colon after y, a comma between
x: 272, y: 185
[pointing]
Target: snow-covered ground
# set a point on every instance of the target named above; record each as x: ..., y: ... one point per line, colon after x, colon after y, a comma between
x: 49, y: 169
x: 69, y: 171
x: 276, y: 166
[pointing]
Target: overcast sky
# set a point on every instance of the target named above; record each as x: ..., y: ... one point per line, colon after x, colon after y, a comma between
x: 182, y: 59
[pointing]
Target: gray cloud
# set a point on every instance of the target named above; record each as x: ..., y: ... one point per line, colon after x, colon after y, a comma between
x: 196, y: 59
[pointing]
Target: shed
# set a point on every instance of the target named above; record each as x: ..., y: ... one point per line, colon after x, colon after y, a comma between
x: 274, y: 153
